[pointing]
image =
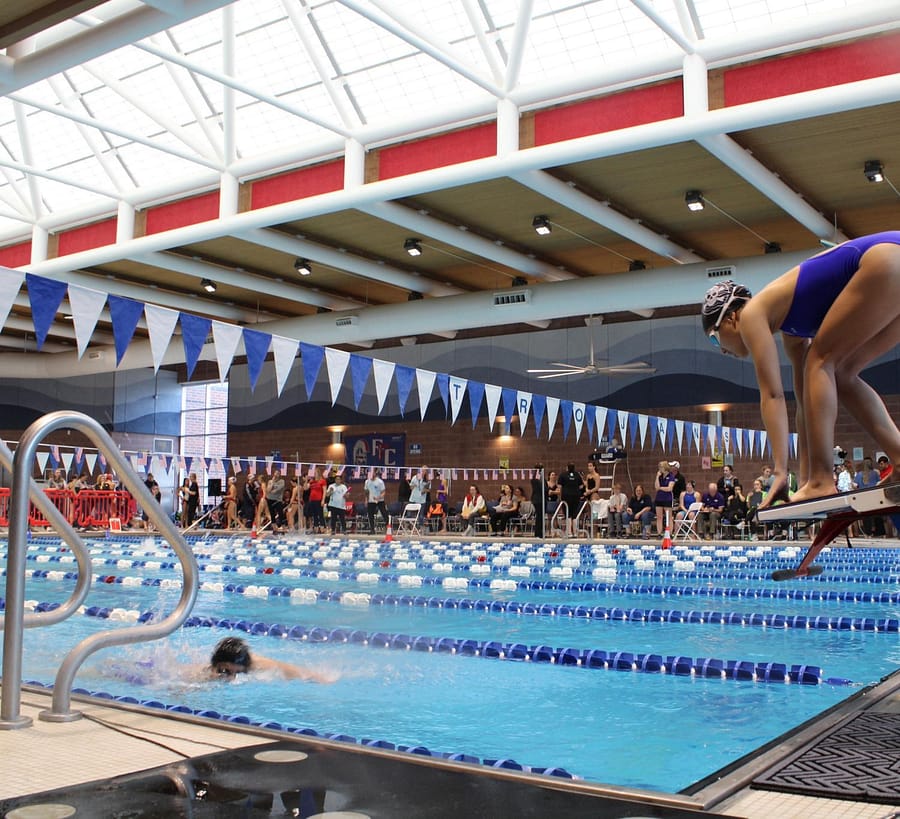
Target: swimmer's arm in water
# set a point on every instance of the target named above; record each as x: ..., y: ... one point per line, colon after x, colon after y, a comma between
x: 759, y: 339
x: 290, y: 671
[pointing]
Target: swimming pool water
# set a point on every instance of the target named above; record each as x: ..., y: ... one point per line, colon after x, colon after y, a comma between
x: 643, y: 730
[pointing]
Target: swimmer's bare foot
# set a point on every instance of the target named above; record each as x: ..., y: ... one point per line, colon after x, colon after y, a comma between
x: 810, y: 491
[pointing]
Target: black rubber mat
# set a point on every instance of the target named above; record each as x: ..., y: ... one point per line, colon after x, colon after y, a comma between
x: 859, y: 759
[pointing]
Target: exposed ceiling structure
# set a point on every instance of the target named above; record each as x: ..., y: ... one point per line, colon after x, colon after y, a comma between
x: 111, y: 112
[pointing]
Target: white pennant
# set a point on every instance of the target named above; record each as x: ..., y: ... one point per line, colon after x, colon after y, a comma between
x: 695, y: 431
x: 623, y: 425
x: 284, y: 351
x: 552, y: 412
x: 226, y: 338
x: 578, y: 418
x: 492, y: 396
x: 726, y: 439
x: 384, y: 372
x: 794, y: 440
x: 739, y: 439
x: 601, y: 423
x: 91, y: 459
x: 42, y: 458
x: 642, y: 428
x: 161, y: 323
x: 457, y: 391
x: 523, y: 401
x: 10, y: 284
x: 87, y: 305
x: 712, y: 438
x: 762, y: 442
x: 67, y: 458
x: 679, y: 433
x: 425, y: 383
x: 336, y: 361
x: 662, y: 428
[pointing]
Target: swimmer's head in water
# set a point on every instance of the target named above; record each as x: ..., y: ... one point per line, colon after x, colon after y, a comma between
x: 721, y: 299
x: 230, y: 656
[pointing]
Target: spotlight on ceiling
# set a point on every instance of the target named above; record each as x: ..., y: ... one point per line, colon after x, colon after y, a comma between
x: 541, y: 225
x: 414, y: 295
x: 636, y: 264
x: 208, y: 285
x: 519, y: 281
x: 694, y: 200
x: 874, y: 170
x: 413, y: 247
x: 773, y: 247
x: 302, y: 266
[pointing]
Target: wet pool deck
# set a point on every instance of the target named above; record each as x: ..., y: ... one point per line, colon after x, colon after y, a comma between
x: 112, y: 742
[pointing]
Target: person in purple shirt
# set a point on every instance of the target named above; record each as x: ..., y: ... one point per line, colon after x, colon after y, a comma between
x: 713, y: 504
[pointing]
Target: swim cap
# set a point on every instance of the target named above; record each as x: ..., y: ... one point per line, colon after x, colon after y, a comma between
x: 231, y: 650
x: 719, y: 298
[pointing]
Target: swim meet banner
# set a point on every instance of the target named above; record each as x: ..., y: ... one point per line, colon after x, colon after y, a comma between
x: 375, y: 450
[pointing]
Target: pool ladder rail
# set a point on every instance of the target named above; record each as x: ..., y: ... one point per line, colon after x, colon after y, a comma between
x: 14, y: 621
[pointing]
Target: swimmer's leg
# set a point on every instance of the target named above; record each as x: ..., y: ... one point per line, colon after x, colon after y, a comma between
x: 861, y: 324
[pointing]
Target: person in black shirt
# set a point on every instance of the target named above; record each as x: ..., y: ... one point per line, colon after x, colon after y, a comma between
x: 571, y: 486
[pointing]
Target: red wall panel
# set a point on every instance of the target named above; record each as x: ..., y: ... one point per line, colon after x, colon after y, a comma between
x: 437, y: 151
x: 183, y: 212
x: 15, y: 255
x: 87, y: 237
x: 297, y: 184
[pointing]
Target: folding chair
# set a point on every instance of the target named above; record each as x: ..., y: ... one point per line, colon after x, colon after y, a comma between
x: 524, y: 522
x: 686, y: 527
x: 409, y: 522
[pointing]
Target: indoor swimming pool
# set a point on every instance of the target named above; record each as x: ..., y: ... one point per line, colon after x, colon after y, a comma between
x: 622, y: 664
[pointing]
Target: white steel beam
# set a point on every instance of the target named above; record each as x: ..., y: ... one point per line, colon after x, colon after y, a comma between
x: 487, y: 48
x: 407, y: 31
x: 229, y: 109
x: 517, y: 47
x: 31, y: 170
x: 685, y: 43
x: 34, y: 188
x: 601, y: 213
x: 358, y: 266
x: 464, y: 240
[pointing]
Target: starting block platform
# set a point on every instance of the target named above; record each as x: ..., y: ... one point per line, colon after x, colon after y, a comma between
x: 837, y: 513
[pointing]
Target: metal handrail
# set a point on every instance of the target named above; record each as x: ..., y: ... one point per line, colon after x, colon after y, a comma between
x: 60, y: 710
x: 73, y: 541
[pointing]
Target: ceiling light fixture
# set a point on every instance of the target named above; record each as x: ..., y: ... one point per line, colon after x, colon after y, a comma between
x: 541, y: 225
x: 694, y: 200
x: 302, y: 266
x: 874, y: 170
x: 208, y: 285
x: 414, y: 295
x: 519, y: 281
x: 636, y: 264
x: 413, y: 247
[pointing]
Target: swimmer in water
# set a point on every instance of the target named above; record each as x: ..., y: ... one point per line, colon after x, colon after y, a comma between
x: 231, y: 657
x: 836, y: 312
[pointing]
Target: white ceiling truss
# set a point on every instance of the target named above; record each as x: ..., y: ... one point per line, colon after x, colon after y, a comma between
x: 136, y: 103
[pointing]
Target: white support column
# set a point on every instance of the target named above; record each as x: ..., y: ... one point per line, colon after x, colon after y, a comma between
x: 507, y: 127
x: 696, y: 86
x: 229, y: 193
x: 229, y: 113
x: 39, y: 241
x: 124, y: 222
x: 354, y: 164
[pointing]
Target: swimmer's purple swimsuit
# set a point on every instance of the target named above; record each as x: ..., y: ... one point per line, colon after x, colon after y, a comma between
x: 822, y: 278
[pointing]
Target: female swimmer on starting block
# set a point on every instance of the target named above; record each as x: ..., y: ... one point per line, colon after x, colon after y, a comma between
x: 837, y: 312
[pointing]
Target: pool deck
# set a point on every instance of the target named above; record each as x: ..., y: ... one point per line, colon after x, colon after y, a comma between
x: 117, y: 740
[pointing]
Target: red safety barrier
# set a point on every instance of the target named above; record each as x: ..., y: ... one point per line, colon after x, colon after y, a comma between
x: 89, y: 508
x: 62, y: 500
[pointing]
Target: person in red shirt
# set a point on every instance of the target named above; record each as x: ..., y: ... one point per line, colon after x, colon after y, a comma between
x: 314, y: 510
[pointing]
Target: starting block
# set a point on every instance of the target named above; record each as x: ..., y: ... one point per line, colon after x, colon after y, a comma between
x: 837, y: 513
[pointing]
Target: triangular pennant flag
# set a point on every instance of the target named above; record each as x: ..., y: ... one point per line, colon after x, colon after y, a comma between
x: 566, y: 409
x: 161, y: 323
x: 67, y: 461
x: 476, y: 396
x: 45, y: 296
x: 225, y: 338
x: 763, y: 440
x: 384, y: 372
x: 509, y: 406
x: 552, y: 412
x: 91, y: 459
x: 285, y: 351
x: 42, y: 458
x: 642, y: 426
x: 87, y: 305
x: 360, y: 367
x: 578, y: 418
x: 726, y: 439
x: 794, y: 444
x: 125, y: 314
x: 425, y: 383
x: 194, y: 330
x: 492, y: 394
x: 457, y: 389
x: 611, y: 421
x: 601, y: 423
x: 443, y: 383
x: 632, y: 429
x: 739, y: 440
x: 538, y: 407
x: 10, y: 284
x: 679, y: 434
x: 523, y: 403
x: 405, y: 377
x: 695, y: 434
x: 312, y: 357
x: 256, y: 346
x: 622, y: 417
x: 590, y: 419
x: 712, y: 437
x: 655, y: 425
x: 336, y: 362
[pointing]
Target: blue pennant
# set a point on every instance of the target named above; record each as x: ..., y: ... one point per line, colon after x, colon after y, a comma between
x: 443, y: 382
x: 125, y: 314
x: 45, y: 295
x: 565, y: 408
x: 312, y: 357
x: 360, y: 367
x: 476, y: 396
x: 194, y: 330
x: 405, y: 377
x: 538, y: 408
x: 256, y: 345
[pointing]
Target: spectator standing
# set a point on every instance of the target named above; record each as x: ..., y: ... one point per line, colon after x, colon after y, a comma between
x: 571, y: 490
x: 193, y: 498
x: 337, y: 504
x: 664, y: 483
x: 374, y: 491
x: 314, y: 509
x: 275, y: 499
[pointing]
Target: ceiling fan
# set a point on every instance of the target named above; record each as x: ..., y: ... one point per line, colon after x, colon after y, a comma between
x: 592, y: 367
